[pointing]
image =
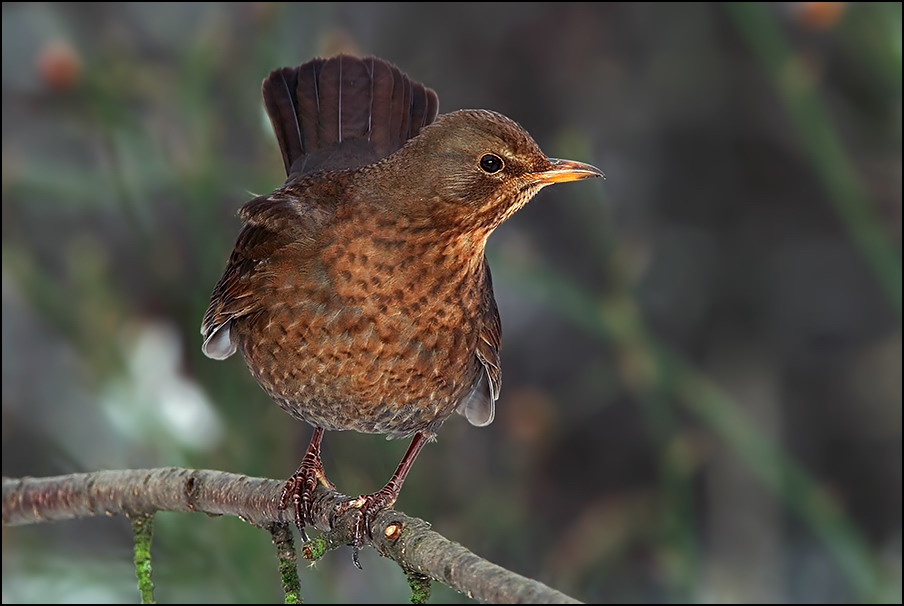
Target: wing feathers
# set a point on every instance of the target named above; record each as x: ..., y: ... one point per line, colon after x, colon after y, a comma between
x: 330, y: 95
x: 479, y: 406
x: 355, y: 99
x: 327, y: 114
x: 308, y: 103
x: 279, y: 99
x: 418, y: 109
x: 383, y: 82
x: 320, y: 106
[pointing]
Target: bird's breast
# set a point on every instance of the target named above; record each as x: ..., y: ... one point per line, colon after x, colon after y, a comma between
x: 384, y: 323
x: 408, y: 292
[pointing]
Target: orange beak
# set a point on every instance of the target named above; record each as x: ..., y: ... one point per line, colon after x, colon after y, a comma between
x: 567, y: 170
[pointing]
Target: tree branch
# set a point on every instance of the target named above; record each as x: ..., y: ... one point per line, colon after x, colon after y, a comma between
x: 409, y: 541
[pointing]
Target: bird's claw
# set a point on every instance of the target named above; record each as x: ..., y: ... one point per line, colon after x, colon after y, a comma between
x: 367, y: 506
x: 299, y: 489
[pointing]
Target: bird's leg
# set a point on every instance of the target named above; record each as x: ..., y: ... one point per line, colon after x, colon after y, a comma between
x: 370, y: 505
x: 300, y: 487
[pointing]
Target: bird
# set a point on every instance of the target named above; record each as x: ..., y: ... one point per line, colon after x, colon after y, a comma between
x: 359, y: 292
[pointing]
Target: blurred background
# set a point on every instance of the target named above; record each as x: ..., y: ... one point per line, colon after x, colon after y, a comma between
x: 702, y: 355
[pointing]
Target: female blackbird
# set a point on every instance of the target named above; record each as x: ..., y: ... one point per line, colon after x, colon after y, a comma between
x: 358, y: 291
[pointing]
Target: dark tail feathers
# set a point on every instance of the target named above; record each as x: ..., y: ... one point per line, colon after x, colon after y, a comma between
x: 344, y: 112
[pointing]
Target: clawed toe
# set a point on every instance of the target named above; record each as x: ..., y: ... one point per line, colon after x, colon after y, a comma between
x: 368, y: 507
x: 299, y: 489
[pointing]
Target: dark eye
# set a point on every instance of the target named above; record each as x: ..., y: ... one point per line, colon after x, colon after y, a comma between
x: 491, y: 163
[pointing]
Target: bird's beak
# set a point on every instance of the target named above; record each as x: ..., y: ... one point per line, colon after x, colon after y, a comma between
x: 567, y: 170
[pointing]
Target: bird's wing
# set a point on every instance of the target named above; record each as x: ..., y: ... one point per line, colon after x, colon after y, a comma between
x: 344, y: 112
x: 328, y: 114
x: 479, y: 406
x: 272, y: 223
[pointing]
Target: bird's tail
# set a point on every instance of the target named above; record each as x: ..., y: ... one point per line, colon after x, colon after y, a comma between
x: 344, y: 112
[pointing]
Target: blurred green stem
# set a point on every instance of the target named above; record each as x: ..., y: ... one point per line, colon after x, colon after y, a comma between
x: 615, y: 319
x: 821, y: 142
x: 420, y: 588
x: 648, y: 382
x: 288, y: 562
x: 143, y: 530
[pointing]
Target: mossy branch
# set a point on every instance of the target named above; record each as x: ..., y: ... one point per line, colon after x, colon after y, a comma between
x: 142, y: 492
x: 288, y: 561
x: 143, y: 530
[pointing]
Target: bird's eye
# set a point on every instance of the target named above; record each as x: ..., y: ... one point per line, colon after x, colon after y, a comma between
x: 491, y: 163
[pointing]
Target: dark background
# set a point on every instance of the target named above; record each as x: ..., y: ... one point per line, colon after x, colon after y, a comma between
x: 702, y: 355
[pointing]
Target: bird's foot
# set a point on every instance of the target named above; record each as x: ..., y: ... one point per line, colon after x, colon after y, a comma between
x: 368, y: 507
x: 299, y: 490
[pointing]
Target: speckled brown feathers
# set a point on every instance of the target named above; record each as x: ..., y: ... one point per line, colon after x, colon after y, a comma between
x: 344, y: 327
x: 358, y: 291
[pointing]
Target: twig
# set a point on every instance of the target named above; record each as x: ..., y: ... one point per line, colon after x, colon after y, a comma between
x: 409, y: 541
x: 143, y: 530
x: 288, y: 562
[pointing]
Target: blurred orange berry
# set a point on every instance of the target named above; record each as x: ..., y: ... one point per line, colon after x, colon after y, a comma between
x: 59, y: 65
x: 819, y: 15
x: 262, y: 12
x: 535, y: 418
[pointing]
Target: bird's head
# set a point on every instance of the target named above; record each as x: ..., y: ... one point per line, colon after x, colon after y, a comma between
x: 474, y: 169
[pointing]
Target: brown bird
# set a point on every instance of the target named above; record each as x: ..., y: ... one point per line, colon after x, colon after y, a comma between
x: 358, y: 291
